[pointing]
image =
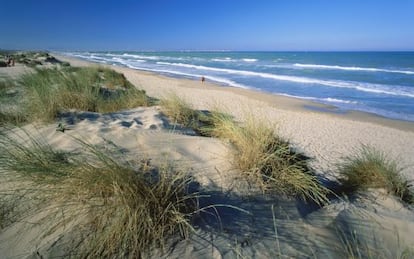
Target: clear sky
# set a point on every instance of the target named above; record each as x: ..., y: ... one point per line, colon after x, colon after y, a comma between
x: 207, y: 24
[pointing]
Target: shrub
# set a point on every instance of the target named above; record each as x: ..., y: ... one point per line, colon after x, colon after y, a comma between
x: 371, y: 168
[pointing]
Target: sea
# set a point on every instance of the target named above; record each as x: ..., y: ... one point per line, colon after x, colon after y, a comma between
x: 381, y: 83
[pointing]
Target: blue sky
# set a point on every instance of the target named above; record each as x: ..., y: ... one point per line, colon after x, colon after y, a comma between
x: 207, y: 25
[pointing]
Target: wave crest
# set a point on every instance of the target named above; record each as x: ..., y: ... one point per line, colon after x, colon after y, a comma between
x: 366, y: 69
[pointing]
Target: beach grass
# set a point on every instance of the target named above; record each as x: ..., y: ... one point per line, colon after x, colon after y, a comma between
x: 131, y: 208
x: 262, y: 156
x: 267, y: 159
x: 51, y: 91
x: 372, y: 168
x: 355, y: 245
x: 9, y: 103
x: 5, y: 85
x: 181, y: 112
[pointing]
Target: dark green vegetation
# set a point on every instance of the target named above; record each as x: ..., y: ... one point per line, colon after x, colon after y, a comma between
x: 130, y: 207
x: 370, y: 168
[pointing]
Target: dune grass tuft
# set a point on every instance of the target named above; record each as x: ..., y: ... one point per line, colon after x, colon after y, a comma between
x: 267, y: 159
x: 38, y: 162
x: 51, y: 91
x: 262, y: 156
x: 371, y: 168
x: 181, y: 112
x: 130, y: 207
x: 9, y: 101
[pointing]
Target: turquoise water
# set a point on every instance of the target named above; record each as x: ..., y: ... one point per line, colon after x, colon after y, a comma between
x: 376, y: 82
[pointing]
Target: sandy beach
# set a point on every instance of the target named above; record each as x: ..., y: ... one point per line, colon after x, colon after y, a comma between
x: 269, y: 227
x: 324, y: 135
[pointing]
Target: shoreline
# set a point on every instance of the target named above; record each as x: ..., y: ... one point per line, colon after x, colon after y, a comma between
x: 326, y: 137
x: 274, y: 100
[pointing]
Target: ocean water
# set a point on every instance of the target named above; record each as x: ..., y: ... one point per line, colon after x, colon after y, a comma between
x: 375, y: 82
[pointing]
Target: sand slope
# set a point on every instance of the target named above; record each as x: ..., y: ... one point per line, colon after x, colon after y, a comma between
x: 264, y: 227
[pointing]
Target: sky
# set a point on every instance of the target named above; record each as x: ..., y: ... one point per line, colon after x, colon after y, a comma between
x: 161, y: 25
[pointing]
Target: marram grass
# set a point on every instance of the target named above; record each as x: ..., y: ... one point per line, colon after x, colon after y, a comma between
x: 128, y: 208
x: 371, y: 168
x: 179, y: 111
x: 53, y: 90
x: 263, y: 157
x: 267, y: 159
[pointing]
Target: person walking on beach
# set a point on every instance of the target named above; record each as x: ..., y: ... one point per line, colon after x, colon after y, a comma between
x: 203, y: 79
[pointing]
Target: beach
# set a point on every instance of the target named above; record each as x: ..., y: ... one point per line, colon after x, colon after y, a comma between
x: 326, y: 136
x: 261, y: 226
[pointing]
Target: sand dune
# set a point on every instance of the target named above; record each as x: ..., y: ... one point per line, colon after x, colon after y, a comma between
x: 270, y: 226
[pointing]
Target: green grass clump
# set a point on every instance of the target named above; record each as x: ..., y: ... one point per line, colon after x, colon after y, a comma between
x: 269, y: 160
x: 142, y: 209
x: 262, y: 156
x: 38, y: 162
x: 51, y: 91
x: 5, y: 85
x: 371, y: 168
x: 181, y: 112
x: 128, y: 208
x: 9, y: 103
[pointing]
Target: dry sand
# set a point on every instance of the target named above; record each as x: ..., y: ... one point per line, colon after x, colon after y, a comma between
x: 294, y: 229
x: 326, y: 136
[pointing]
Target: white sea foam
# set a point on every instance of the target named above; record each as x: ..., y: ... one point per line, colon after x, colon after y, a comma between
x: 249, y: 59
x: 223, y: 59
x: 368, y: 69
x: 141, y: 56
x: 197, y: 76
x: 365, y: 87
x: 334, y: 100
x: 122, y: 60
x: 227, y: 59
x: 324, y: 100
